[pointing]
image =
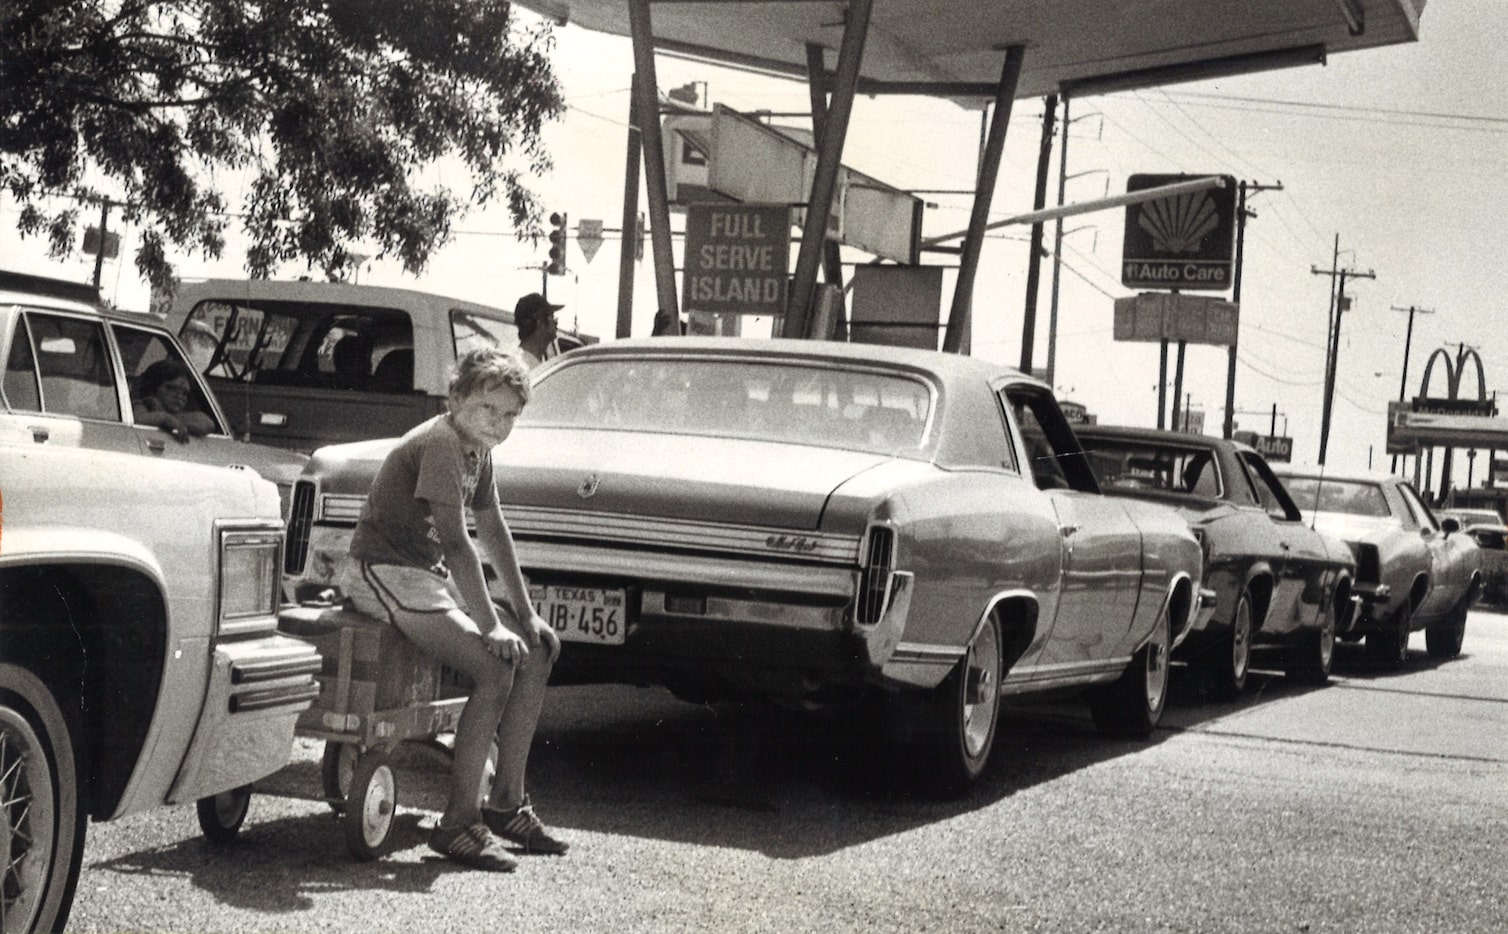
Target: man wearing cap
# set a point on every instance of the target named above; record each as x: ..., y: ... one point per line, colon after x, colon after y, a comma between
x: 535, y: 318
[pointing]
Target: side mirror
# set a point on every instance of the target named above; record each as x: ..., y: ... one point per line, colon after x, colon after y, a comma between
x: 1450, y: 525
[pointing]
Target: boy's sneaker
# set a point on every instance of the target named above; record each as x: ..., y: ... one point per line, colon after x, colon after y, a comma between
x: 472, y: 846
x: 519, y: 825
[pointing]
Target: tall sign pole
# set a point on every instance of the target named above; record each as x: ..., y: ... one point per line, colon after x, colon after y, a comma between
x: 1403, y: 381
x: 1242, y: 213
x: 1334, y: 356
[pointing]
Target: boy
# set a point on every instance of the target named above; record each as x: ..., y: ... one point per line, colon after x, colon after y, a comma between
x: 415, y: 565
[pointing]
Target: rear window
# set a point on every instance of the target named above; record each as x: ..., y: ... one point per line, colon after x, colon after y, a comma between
x: 1357, y: 499
x: 783, y: 402
x: 302, y: 344
x: 1137, y: 465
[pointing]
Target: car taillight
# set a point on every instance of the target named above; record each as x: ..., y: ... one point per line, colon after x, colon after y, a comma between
x: 300, y: 519
x: 1368, y: 564
x: 878, y: 563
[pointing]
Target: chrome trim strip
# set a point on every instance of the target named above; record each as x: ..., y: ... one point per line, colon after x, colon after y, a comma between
x: 917, y: 652
x: 820, y: 547
x: 550, y: 558
x: 1068, y: 674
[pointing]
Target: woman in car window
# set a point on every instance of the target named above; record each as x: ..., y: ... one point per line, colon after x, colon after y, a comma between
x: 165, y: 398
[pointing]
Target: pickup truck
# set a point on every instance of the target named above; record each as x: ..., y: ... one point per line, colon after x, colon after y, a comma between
x: 139, y: 660
x: 304, y: 364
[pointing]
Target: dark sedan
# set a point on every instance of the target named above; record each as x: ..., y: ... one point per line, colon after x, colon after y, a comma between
x: 1277, y: 581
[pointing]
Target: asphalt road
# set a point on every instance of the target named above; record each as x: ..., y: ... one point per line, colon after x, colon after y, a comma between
x: 1378, y: 803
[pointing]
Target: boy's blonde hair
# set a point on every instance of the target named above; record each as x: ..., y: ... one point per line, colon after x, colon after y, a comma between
x: 489, y: 367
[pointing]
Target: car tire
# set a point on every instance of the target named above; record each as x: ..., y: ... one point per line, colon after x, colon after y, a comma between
x: 1312, y: 652
x: 943, y: 737
x: 1227, y: 660
x: 371, y: 806
x: 221, y: 815
x: 42, y: 805
x: 1130, y: 706
x: 1443, y: 639
x: 1389, y: 646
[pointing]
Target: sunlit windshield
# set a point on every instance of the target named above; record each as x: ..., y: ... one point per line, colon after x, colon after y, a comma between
x: 1358, y: 499
x: 732, y: 398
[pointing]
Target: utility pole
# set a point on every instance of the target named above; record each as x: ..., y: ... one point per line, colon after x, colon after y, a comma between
x: 1403, y: 381
x: 1242, y: 213
x: 1034, y: 260
x: 1334, y: 355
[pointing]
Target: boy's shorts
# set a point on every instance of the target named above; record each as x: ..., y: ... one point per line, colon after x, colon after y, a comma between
x: 392, y: 591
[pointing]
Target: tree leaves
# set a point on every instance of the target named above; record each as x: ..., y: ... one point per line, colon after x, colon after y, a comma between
x: 312, y: 124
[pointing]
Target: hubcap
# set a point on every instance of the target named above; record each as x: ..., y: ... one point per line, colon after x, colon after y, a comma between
x: 1241, y: 641
x: 1157, y: 665
x: 26, y: 818
x: 377, y: 809
x: 981, y: 691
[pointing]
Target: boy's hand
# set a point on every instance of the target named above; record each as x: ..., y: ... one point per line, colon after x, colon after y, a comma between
x: 506, y: 644
x: 542, y: 633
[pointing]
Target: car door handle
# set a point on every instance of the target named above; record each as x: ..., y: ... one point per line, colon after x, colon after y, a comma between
x: 1285, y: 546
x: 1068, y: 530
x: 40, y: 434
x: 156, y: 446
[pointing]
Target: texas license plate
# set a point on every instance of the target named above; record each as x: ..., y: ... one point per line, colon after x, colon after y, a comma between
x: 582, y: 614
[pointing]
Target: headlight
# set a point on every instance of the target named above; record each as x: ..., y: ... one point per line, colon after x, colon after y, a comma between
x: 248, y: 578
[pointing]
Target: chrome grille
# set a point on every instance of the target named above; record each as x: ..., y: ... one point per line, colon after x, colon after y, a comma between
x: 876, y: 577
x: 300, y: 518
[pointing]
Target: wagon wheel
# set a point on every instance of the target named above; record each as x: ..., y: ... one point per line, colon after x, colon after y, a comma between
x: 335, y: 770
x: 221, y: 815
x: 371, y: 805
x: 1131, y: 705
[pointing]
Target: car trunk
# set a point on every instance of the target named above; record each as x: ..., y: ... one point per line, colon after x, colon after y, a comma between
x: 716, y: 480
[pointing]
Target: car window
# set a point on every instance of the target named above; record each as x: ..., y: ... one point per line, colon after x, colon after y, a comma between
x: 1052, y: 452
x: 1269, y: 489
x: 20, y: 386
x: 1012, y: 460
x: 1327, y: 495
x: 302, y: 344
x: 738, y: 398
x: 72, y: 367
x: 142, y: 350
x: 469, y: 331
x: 1127, y: 464
x: 1422, y: 517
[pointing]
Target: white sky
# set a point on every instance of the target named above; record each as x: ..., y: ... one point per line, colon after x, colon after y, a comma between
x: 1402, y: 151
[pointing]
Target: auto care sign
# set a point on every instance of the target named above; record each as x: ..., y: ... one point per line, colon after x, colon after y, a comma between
x: 1183, y: 242
x: 738, y: 258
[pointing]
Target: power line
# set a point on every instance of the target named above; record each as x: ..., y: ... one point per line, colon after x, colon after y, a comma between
x: 1344, y: 108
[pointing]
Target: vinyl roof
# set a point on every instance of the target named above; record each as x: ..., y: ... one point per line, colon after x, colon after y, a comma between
x: 1068, y: 42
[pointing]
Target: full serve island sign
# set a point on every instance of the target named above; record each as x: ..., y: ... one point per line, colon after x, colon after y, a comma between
x: 738, y: 258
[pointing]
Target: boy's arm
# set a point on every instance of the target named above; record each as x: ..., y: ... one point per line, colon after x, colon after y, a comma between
x: 466, y: 566
x: 492, y: 529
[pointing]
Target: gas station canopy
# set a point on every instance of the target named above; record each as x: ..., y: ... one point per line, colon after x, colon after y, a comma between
x: 953, y: 48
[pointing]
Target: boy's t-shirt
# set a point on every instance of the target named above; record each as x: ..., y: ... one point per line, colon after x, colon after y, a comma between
x: 431, y: 467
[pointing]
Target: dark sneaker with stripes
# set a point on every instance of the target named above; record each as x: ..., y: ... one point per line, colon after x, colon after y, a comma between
x: 520, y: 826
x: 472, y: 846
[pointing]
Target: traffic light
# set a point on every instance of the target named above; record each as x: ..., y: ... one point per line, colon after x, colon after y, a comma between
x: 558, y: 237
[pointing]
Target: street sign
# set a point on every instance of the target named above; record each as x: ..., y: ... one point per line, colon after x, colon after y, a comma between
x: 1274, y: 447
x: 1429, y: 428
x: 589, y: 237
x: 1158, y: 316
x: 92, y: 242
x: 1185, y: 241
x: 738, y: 258
x: 1486, y: 408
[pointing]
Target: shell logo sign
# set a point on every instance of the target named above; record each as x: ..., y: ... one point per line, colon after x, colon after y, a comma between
x: 1184, y: 241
